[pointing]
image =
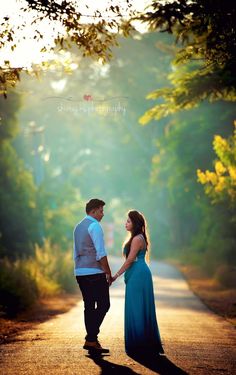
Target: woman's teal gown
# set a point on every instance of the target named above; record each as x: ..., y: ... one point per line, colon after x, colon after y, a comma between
x: 141, y: 328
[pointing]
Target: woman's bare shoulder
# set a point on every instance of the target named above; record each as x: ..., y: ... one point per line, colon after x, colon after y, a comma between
x: 137, y: 239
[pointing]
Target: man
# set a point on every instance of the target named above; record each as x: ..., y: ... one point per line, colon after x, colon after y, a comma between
x: 92, y: 272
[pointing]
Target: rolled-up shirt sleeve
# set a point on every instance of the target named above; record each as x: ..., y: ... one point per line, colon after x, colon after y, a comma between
x: 96, y: 233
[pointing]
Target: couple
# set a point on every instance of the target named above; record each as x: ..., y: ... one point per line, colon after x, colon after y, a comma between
x: 94, y: 277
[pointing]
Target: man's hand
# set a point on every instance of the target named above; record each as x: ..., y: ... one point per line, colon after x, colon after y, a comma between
x: 106, y: 268
x: 109, y: 278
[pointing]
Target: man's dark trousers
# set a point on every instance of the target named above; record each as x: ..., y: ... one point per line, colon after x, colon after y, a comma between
x: 95, y: 292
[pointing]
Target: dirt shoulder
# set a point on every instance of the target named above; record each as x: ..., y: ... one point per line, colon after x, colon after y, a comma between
x: 45, y: 309
x: 217, y: 298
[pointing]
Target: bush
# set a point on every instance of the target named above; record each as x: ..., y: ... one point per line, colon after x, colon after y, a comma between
x: 18, y: 290
x: 52, y: 270
x: 43, y: 269
x: 226, y: 276
x: 48, y: 273
x: 65, y: 273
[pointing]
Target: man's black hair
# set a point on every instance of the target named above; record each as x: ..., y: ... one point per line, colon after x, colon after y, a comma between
x: 93, y: 204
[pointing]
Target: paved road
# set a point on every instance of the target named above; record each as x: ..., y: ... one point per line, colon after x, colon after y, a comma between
x: 196, y: 341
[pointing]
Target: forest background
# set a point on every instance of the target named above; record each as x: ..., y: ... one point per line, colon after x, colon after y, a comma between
x: 80, y: 126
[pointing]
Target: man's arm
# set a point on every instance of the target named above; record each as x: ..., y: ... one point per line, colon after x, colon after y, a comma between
x: 96, y: 233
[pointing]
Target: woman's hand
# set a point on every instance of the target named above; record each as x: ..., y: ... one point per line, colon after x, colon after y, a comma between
x: 114, y: 277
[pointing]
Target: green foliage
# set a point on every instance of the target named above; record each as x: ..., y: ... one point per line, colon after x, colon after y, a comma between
x: 18, y: 214
x: 187, y: 91
x: 215, y: 239
x: 220, y: 185
x: 8, y: 118
x: 94, y: 37
x: 22, y: 282
x: 206, y: 31
x: 52, y: 269
x: 226, y: 276
x: 60, y: 205
x: 18, y: 290
x: 197, y: 232
x: 205, y: 28
x: 8, y: 79
x: 93, y: 34
x: 203, y: 69
x: 18, y: 211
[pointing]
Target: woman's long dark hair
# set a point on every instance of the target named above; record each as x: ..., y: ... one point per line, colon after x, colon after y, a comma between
x: 139, y: 227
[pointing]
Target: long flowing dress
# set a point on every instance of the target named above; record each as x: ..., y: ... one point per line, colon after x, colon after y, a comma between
x: 141, y: 329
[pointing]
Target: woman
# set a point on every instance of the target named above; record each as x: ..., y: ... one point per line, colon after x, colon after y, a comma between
x: 141, y: 329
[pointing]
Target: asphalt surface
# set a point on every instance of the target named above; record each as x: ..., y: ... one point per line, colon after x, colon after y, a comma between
x: 196, y: 341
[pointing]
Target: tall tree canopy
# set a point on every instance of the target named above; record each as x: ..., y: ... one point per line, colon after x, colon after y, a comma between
x: 205, y: 33
x: 205, y: 28
x: 92, y: 29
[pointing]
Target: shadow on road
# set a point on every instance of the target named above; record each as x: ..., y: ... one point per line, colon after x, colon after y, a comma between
x: 108, y: 368
x: 159, y: 364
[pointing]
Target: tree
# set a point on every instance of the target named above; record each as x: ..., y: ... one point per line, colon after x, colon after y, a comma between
x: 190, y: 226
x: 206, y: 63
x: 206, y: 30
x: 93, y: 33
x: 220, y: 185
x: 18, y: 209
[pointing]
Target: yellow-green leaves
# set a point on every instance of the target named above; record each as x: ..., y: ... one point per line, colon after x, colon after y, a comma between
x: 220, y: 184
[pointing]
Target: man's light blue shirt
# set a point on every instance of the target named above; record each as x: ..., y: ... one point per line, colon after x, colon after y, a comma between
x: 97, y: 236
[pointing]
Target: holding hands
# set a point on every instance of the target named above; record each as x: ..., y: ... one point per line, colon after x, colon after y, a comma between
x: 111, y: 279
x: 115, y: 276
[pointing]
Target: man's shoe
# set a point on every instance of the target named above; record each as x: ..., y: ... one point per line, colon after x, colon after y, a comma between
x: 95, y: 347
x: 101, y: 348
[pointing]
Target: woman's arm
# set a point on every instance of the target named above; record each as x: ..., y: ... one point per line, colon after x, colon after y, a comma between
x: 136, y: 245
